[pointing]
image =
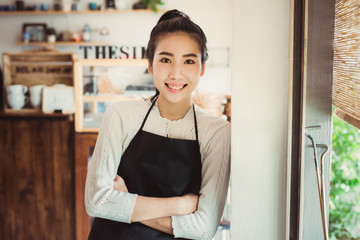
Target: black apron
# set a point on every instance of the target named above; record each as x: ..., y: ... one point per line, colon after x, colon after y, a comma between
x: 153, y: 166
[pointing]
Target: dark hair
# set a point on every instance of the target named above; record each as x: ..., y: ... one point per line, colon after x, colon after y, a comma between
x: 175, y: 21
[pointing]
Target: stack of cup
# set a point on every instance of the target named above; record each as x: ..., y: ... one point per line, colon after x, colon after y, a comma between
x: 36, y: 95
x: 16, y: 96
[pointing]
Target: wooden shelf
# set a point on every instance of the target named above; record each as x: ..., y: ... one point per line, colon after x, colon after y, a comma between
x: 347, y: 117
x: 33, y: 113
x: 50, y: 68
x: 53, y: 12
x: 67, y: 43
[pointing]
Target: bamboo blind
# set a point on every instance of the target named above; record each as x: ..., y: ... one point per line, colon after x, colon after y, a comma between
x: 346, y: 82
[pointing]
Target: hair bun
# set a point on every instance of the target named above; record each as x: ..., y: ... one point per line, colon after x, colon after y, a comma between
x: 176, y: 21
x: 172, y: 14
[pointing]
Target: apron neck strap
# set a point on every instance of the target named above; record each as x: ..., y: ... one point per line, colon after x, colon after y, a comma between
x: 147, y: 114
x: 152, y: 105
x: 195, y: 121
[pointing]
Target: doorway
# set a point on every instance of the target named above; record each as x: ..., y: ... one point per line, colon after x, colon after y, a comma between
x: 344, y: 204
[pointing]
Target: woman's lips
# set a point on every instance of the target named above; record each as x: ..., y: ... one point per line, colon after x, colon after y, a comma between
x: 175, y: 88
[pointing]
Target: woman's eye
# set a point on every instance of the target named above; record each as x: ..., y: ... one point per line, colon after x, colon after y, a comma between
x: 165, y: 60
x: 189, y: 61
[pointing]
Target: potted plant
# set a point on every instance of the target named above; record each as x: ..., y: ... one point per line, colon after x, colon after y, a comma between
x: 148, y: 4
x: 51, y: 34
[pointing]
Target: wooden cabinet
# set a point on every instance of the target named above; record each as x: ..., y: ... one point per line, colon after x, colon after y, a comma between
x: 37, y: 178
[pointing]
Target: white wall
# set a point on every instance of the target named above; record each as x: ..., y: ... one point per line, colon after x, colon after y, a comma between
x: 260, y: 80
x: 133, y: 29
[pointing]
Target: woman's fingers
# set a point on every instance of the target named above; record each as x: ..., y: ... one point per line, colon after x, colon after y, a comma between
x: 119, y: 184
x: 191, y: 203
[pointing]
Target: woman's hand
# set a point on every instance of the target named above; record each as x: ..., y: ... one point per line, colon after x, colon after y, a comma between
x: 189, y: 203
x: 119, y: 184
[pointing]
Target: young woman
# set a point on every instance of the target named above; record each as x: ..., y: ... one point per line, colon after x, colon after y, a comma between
x: 160, y: 168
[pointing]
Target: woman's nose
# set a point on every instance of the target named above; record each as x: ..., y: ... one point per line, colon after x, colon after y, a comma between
x: 175, y: 72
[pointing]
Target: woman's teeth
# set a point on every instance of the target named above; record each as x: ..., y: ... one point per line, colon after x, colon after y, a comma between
x: 176, y: 87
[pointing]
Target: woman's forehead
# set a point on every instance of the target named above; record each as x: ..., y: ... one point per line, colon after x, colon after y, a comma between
x: 178, y: 42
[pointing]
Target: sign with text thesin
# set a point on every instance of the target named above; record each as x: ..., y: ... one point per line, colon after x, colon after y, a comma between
x: 113, y: 52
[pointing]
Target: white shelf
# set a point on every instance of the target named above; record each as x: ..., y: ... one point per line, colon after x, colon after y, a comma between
x: 85, y: 12
x: 90, y: 123
x: 105, y: 98
x: 114, y: 62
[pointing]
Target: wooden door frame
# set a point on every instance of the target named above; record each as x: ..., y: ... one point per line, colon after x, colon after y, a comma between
x: 83, y: 143
x: 303, y: 10
x: 297, y: 99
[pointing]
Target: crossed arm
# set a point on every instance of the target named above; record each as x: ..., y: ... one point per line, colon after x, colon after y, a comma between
x: 101, y: 200
x: 156, y: 212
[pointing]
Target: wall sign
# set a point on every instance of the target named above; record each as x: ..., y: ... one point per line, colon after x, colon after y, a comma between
x: 41, y: 69
x: 113, y: 52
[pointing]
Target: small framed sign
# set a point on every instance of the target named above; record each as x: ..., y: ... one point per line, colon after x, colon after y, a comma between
x: 34, y: 32
x: 58, y: 98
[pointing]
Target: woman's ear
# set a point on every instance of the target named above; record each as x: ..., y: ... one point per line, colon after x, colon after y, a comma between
x: 150, y: 68
x: 202, y: 70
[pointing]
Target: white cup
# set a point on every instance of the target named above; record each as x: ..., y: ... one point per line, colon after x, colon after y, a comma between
x: 16, y: 96
x: 66, y: 6
x: 121, y: 4
x: 36, y: 95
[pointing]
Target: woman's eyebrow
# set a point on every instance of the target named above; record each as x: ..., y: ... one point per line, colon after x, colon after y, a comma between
x: 185, y: 55
x: 190, y: 55
x: 167, y: 54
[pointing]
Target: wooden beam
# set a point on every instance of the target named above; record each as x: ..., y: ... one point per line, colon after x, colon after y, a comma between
x: 347, y: 118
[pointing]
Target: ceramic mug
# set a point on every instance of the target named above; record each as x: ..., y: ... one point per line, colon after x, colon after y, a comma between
x: 66, y: 6
x: 92, y: 5
x: 36, y: 95
x: 45, y: 6
x: 16, y: 96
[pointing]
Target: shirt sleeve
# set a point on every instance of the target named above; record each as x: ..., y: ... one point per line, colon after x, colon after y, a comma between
x: 203, y: 223
x: 101, y: 200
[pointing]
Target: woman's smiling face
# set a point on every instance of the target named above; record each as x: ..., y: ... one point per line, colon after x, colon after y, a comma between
x: 176, y: 67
